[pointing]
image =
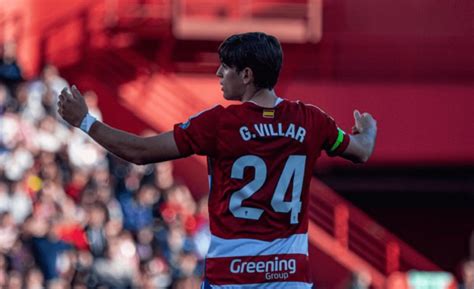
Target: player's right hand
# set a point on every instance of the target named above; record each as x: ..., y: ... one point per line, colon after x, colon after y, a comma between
x: 72, y: 107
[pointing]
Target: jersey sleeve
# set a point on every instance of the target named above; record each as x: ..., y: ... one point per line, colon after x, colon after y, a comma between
x: 198, y: 135
x: 335, y: 139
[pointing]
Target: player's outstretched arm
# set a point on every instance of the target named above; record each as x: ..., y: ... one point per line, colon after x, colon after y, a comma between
x: 363, y: 136
x: 130, y: 147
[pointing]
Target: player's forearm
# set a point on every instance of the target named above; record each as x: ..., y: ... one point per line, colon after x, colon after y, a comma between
x: 361, y: 146
x: 122, y: 144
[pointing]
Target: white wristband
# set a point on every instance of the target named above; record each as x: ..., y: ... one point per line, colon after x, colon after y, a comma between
x: 87, y: 122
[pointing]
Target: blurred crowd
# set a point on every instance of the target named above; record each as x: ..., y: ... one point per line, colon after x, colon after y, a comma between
x: 74, y: 216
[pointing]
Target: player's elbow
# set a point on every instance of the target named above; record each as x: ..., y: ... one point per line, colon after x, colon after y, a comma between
x: 140, y: 153
x: 141, y: 158
x: 137, y: 156
x: 364, y: 155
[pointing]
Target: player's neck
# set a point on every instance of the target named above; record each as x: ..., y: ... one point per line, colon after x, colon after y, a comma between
x: 262, y: 97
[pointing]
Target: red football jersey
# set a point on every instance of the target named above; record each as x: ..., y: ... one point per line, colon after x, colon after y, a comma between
x: 260, y: 162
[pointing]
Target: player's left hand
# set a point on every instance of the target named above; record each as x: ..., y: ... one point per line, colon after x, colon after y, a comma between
x: 72, y: 107
x: 364, y: 123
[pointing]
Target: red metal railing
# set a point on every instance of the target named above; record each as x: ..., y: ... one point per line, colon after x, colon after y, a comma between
x: 356, y: 231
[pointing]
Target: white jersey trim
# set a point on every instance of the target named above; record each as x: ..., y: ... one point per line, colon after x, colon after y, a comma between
x: 296, y: 244
x: 276, y: 285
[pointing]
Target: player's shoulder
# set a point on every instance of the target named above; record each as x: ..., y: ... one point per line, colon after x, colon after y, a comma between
x: 204, y: 117
x: 216, y: 109
x: 314, y: 108
x: 306, y: 107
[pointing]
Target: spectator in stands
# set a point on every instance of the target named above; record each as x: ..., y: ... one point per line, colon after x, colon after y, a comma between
x: 46, y: 247
x: 156, y: 274
x: 163, y: 178
x: 8, y: 232
x: 29, y: 102
x: 5, y: 98
x: 120, y: 266
x: 15, y: 280
x: 34, y: 279
x: 18, y: 161
x: 20, y: 256
x: 20, y: 203
x: 52, y: 79
x: 106, y: 195
x: 84, y: 153
x: 69, y: 225
x: 97, y: 217
x: 76, y: 185
x: 42, y: 93
x: 145, y: 243
x: 10, y: 72
x: 138, y: 209
x: 51, y: 135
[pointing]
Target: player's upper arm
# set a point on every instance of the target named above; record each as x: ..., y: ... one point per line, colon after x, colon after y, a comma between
x: 335, y: 139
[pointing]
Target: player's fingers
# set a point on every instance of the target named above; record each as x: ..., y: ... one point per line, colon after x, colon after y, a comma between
x: 75, y: 92
x: 61, y: 98
x: 357, y: 115
x: 66, y: 93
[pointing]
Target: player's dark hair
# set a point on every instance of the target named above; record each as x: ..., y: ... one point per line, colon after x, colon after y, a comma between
x: 260, y: 52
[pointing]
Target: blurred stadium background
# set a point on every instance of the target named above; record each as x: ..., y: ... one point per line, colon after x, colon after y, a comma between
x: 73, y: 216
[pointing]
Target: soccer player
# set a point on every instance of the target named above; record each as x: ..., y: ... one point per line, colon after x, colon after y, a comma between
x: 261, y: 154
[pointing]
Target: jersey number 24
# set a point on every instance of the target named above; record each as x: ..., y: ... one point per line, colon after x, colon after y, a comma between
x: 294, y: 169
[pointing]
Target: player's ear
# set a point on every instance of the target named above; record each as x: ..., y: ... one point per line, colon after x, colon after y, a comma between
x: 247, y: 75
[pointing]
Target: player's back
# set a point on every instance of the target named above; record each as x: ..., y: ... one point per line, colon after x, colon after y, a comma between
x: 259, y: 193
x: 260, y: 163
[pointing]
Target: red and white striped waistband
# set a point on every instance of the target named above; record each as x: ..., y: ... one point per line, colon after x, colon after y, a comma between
x: 295, y: 244
x: 250, y: 263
